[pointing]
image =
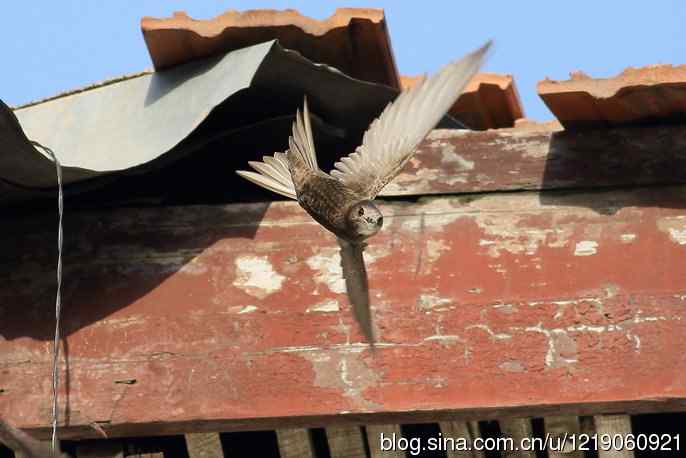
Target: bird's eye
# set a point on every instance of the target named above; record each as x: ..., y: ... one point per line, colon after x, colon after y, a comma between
x: 360, y: 212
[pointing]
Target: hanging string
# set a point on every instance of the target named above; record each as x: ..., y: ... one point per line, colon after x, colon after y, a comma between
x: 58, y: 296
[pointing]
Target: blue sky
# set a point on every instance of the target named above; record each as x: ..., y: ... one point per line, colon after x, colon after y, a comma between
x: 48, y: 47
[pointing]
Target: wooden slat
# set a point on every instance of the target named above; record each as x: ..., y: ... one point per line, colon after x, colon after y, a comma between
x: 295, y: 443
x: 462, y: 429
x: 517, y: 429
x: 488, y: 306
x: 346, y: 441
x: 47, y: 446
x: 541, y: 156
x: 109, y: 449
x: 557, y: 427
x: 613, y: 425
x: 204, y: 445
x: 374, y: 433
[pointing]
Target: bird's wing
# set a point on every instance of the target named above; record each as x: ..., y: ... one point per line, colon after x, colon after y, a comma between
x: 275, y: 172
x: 392, y: 138
x: 357, y: 286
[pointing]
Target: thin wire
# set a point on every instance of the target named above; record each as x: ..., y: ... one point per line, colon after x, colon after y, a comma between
x: 58, y: 296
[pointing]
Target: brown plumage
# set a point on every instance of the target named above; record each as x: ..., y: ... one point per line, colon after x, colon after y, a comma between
x: 341, y: 201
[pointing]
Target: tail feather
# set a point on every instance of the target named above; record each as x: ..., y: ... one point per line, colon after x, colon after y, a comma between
x: 273, y: 175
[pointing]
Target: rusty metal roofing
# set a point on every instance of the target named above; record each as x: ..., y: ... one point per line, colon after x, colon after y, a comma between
x: 643, y: 95
x: 353, y: 40
x: 490, y: 101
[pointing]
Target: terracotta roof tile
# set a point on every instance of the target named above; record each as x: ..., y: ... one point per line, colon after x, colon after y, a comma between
x: 354, y: 40
x: 654, y: 93
x: 490, y: 101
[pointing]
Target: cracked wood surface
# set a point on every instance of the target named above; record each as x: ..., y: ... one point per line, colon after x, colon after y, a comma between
x: 206, y: 318
x: 541, y: 156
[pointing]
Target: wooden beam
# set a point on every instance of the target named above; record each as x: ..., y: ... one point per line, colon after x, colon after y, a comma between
x: 204, y: 445
x: 559, y: 428
x: 490, y: 306
x: 346, y: 441
x: 101, y: 449
x: 295, y: 443
x: 465, y: 430
x: 517, y: 429
x: 374, y: 434
x: 613, y: 425
x: 541, y: 156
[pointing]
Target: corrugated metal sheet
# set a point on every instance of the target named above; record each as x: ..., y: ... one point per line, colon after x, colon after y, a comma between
x: 145, y: 122
x: 353, y: 40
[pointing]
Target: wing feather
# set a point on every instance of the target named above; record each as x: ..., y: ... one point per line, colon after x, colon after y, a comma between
x: 277, y: 172
x: 392, y: 138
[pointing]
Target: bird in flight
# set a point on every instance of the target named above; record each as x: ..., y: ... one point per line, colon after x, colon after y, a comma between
x: 342, y: 201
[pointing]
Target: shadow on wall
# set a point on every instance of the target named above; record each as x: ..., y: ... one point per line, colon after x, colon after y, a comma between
x: 603, y: 159
x: 96, y: 252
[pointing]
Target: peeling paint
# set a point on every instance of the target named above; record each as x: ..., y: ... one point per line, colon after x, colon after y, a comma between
x: 256, y: 276
x: 327, y: 306
x: 586, y: 248
x: 450, y: 156
x: 675, y: 226
x: 530, y: 147
x: 627, y: 238
x: 514, y: 237
x: 435, y: 248
x: 347, y: 373
x: 327, y: 265
x: 432, y: 301
x: 512, y: 366
x: 494, y: 335
x: 247, y: 309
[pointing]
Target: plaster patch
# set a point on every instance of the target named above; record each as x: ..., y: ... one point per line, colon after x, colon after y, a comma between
x: 256, y: 276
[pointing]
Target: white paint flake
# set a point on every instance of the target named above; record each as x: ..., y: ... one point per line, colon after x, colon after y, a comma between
x: 675, y: 226
x: 247, y: 309
x: 256, y: 276
x: 449, y: 156
x: 327, y: 265
x: 328, y: 306
x: 586, y: 248
x: 431, y: 301
x: 627, y: 238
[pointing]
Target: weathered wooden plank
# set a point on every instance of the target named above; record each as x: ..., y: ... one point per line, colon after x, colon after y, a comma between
x: 374, y: 435
x: 109, y: 449
x: 346, y: 441
x: 516, y: 429
x: 491, y: 306
x: 540, y: 156
x: 295, y: 443
x: 204, y: 445
x: 461, y: 430
x: 561, y: 429
x: 613, y: 425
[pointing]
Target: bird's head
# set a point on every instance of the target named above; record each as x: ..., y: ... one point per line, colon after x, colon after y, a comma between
x: 364, y: 219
